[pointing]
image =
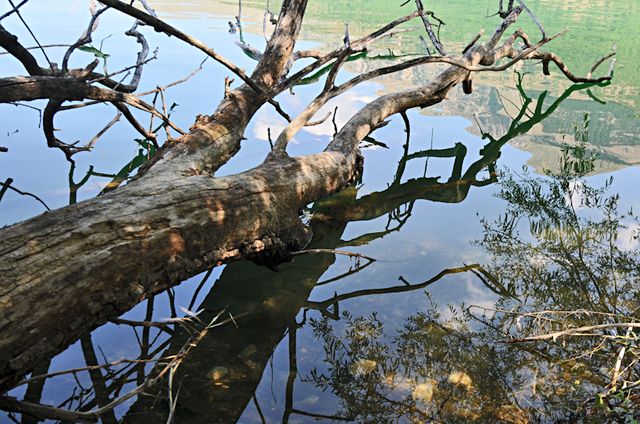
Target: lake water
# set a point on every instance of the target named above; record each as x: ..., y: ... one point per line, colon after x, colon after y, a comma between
x: 470, y: 240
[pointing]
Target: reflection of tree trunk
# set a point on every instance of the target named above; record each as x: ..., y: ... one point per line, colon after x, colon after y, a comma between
x: 221, y: 374
x: 144, y: 342
x: 34, y: 390
x: 293, y: 372
x: 237, y: 357
x: 97, y: 379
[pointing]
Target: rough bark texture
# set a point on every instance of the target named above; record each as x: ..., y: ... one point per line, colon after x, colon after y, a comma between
x: 94, y: 260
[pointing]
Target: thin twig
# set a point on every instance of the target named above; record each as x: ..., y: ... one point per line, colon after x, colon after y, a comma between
x: 427, y: 26
x: 14, y: 9
x: 45, y: 411
x: 46, y: 46
x: 89, y: 368
x: 31, y: 32
x: 533, y: 17
x: 95, y: 138
x: 7, y: 186
x: 575, y: 331
x: 335, y: 252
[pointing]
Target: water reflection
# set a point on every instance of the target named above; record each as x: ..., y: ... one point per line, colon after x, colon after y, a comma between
x: 569, y: 254
x: 570, y: 318
x: 441, y: 367
x: 220, y: 376
x: 435, y: 370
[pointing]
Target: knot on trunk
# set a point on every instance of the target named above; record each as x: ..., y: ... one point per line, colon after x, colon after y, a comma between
x: 275, y: 249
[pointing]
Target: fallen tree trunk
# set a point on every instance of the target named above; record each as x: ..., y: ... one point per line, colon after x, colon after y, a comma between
x: 87, y: 263
x: 48, y: 260
x: 91, y: 261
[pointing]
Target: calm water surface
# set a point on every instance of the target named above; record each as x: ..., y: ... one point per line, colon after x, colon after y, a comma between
x: 416, y: 335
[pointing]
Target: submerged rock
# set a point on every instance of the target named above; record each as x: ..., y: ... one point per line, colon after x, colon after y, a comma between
x: 460, y: 378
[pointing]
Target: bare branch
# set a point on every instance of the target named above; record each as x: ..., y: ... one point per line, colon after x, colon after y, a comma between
x: 177, y: 82
x: 85, y: 38
x: 334, y: 252
x: 330, y: 91
x: 89, y: 368
x: 333, y: 74
x: 356, y: 46
x: 533, y: 17
x: 53, y: 106
x: 31, y: 32
x: 600, y: 61
x: 473, y: 41
x: 429, y: 28
x: 106, y: 128
x: 579, y: 331
x: 14, y: 9
x: 319, y: 121
x: 10, y: 43
x: 45, y: 46
x: 7, y: 186
x: 165, y: 28
x: 45, y: 411
x: 148, y: 8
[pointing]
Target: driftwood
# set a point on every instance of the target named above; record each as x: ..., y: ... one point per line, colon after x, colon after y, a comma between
x: 67, y: 271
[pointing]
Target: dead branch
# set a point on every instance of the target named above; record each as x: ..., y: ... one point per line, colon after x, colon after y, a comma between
x: 473, y: 41
x: 429, y: 28
x: 334, y: 252
x: 588, y: 330
x: 89, y: 368
x: 84, y: 39
x: 106, y: 128
x: 356, y: 46
x: 141, y: 60
x: 32, y: 88
x: 533, y: 18
x: 44, y: 411
x: 44, y: 53
x: 14, y: 9
x: 40, y: 411
x: 177, y: 82
x: 10, y: 43
x: 161, y: 26
x: 135, y: 124
x: 7, y: 186
x: 490, y: 55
